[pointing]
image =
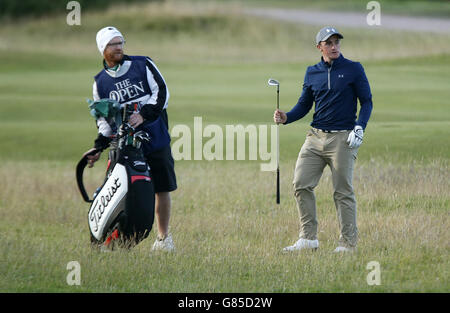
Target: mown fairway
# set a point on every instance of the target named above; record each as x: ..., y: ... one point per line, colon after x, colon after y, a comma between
x: 227, y: 228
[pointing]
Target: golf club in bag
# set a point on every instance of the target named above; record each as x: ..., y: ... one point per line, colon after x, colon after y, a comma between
x: 274, y: 82
x: 122, y: 209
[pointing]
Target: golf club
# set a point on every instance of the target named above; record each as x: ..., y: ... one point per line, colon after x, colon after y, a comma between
x: 274, y: 82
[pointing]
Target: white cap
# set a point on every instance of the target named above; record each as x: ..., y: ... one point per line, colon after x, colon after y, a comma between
x: 105, y: 35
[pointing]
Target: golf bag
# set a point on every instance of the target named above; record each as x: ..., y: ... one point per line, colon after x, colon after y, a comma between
x: 122, y: 209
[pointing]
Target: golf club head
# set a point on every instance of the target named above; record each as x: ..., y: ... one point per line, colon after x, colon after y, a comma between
x: 141, y: 136
x: 273, y: 82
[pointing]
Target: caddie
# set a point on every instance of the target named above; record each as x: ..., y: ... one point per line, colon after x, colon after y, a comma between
x: 137, y: 80
x: 334, y: 85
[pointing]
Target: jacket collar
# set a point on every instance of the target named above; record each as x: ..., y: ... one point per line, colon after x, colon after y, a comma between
x: 335, y: 62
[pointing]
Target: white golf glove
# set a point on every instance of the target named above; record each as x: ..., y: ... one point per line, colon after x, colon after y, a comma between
x: 355, y: 138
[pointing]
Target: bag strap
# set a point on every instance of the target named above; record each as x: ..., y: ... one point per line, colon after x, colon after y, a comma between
x: 79, y: 173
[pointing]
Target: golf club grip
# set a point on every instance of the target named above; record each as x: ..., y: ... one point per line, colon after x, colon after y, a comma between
x: 278, y: 97
x: 278, y: 186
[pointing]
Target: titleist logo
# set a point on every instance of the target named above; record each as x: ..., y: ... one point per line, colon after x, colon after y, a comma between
x: 102, y: 202
x: 137, y: 163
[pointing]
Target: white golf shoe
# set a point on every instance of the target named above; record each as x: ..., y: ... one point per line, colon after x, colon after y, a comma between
x: 344, y: 249
x: 303, y: 244
x: 165, y: 244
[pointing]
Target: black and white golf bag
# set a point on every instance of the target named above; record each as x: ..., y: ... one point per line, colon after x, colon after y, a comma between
x: 122, y: 209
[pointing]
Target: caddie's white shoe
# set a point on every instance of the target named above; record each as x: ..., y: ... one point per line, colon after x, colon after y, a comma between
x: 165, y: 244
x: 303, y: 244
x: 344, y: 249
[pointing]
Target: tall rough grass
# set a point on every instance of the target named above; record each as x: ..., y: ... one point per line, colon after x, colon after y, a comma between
x: 229, y: 233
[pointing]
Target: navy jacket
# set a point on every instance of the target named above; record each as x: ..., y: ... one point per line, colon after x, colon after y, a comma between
x: 335, y: 90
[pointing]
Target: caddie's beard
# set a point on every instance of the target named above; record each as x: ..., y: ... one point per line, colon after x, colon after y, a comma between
x: 115, y: 57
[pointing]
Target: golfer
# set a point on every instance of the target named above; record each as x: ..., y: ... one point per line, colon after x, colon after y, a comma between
x: 136, y: 79
x: 334, y: 85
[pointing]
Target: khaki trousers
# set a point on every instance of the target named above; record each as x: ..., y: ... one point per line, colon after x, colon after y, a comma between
x: 321, y: 149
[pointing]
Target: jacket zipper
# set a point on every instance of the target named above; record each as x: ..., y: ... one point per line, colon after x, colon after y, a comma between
x: 329, y: 70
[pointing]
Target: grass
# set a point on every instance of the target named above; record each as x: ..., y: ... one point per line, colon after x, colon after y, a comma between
x: 225, y: 223
x: 230, y: 243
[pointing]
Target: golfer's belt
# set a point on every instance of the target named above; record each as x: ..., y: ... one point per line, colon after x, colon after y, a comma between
x: 330, y: 131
